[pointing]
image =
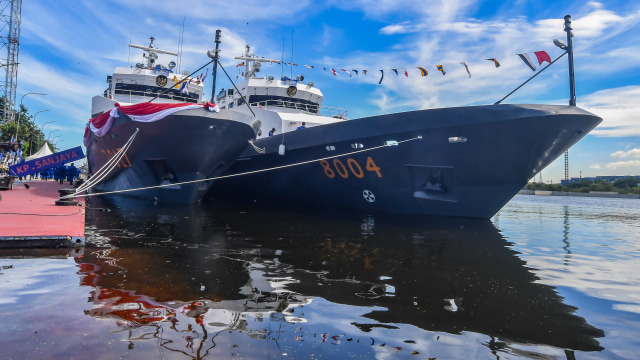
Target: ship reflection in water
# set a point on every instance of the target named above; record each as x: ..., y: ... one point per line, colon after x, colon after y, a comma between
x: 204, y: 282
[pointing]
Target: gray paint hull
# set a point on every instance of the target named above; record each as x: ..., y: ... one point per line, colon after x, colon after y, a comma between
x: 436, y: 173
x: 186, y: 146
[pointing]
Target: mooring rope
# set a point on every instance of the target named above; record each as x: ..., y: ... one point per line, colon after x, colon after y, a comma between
x: 258, y: 149
x: 387, y: 144
x: 108, y: 166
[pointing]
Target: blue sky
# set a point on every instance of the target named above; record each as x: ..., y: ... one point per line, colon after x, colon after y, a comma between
x: 68, y: 47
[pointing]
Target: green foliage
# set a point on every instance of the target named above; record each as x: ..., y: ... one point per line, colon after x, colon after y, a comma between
x: 28, y: 131
x: 630, y: 182
x: 627, y: 185
x: 581, y: 184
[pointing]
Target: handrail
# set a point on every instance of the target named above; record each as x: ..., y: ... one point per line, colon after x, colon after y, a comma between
x: 292, y: 106
x: 148, y: 94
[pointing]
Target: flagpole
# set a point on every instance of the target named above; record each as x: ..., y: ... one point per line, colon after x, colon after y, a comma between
x: 572, y: 80
x: 531, y: 78
x: 215, y: 66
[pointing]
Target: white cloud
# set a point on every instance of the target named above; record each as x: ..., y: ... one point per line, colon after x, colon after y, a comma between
x: 453, y: 39
x: 602, y: 24
x: 623, y: 164
x: 594, y: 166
x: 435, y: 11
x: 282, y: 11
x: 402, y: 28
x: 619, y: 109
x: 623, y: 154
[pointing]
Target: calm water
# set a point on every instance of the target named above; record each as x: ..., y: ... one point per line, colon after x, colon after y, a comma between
x: 546, y: 278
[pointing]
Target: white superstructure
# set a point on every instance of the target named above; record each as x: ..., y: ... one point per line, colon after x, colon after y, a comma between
x: 146, y: 82
x: 283, y: 105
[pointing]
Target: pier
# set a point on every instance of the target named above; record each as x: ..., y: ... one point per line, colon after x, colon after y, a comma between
x: 30, y: 217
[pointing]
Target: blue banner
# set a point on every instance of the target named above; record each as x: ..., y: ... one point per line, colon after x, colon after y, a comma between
x: 47, y: 162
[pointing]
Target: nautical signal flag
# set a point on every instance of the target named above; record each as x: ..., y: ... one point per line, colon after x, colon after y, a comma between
x: 241, y: 64
x: 527, y: 61
x: 542, y: 57
x: 185, y: 88
x: 205, y: 75
x: 495, y: 61
x: 466, y: 67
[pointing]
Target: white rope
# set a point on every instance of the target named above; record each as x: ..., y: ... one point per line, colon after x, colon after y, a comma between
x: 389, y: 143
x: 107, y: 167
x: 258, y: 149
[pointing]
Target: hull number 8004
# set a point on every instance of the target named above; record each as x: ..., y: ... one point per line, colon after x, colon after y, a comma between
x: 352, y: 167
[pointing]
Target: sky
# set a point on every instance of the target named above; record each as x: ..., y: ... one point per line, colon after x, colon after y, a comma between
x: 68, y: 47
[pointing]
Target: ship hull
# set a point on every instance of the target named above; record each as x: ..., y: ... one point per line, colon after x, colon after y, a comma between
x: 465, y: 162
x: 189, y: 145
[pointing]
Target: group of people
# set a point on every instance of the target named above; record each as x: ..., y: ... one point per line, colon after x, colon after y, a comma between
x: 61, y: 173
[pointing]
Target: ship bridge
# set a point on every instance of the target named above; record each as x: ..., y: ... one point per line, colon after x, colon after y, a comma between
x: 286, y: 95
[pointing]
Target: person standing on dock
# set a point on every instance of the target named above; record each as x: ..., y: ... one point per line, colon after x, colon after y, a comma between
x: 60, y: 173
x: 71, y: 173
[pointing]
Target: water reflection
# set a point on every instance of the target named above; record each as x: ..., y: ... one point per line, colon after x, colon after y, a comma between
x: 200, y: 281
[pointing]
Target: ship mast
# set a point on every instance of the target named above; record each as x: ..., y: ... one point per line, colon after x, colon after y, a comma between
x: 248, y: 58
x: 152, y: 52
x: 572, y: 81
x: 216, y: 58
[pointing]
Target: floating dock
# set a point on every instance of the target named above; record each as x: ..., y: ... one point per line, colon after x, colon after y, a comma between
x: 29, y: 217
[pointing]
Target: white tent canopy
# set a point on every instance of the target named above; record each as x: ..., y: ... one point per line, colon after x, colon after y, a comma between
x: 44, y: 151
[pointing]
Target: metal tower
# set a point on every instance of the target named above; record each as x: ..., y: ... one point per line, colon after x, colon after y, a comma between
x: 566, y: 165
x: 10, y: 15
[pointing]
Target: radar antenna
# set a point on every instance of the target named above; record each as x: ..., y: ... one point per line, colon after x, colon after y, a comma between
x: 152, y: 53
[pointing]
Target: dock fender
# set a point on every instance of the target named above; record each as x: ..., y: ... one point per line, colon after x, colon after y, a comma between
x: 281, y: 149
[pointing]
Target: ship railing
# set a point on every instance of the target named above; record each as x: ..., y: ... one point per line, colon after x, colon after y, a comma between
x: 297, y: 107
x: 148, y: 95
x: 334, y: 112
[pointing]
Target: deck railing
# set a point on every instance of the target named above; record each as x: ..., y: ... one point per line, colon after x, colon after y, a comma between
x: 148, y: 95
x: 297, y: 107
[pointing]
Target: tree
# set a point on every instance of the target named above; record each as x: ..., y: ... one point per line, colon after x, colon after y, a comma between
x: 29, y: 133
x: 629, y: 181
